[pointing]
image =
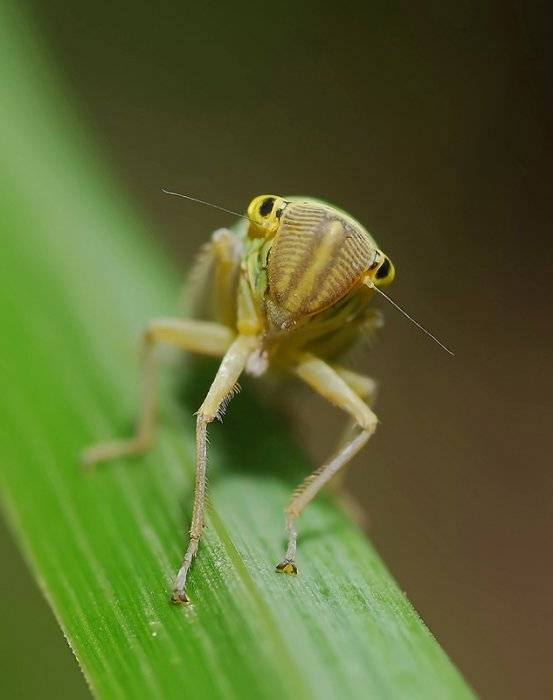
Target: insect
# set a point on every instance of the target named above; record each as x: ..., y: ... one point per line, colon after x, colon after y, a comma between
x: 291, y: 293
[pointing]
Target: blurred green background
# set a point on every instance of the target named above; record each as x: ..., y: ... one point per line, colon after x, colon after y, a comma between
x: 431, y: 123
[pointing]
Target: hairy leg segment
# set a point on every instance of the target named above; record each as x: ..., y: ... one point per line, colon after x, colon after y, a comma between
x: 195, y: 336
x: 220, y: 391
x: 338, y: 387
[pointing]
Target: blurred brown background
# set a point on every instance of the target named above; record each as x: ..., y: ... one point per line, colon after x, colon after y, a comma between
x: 431, y: 123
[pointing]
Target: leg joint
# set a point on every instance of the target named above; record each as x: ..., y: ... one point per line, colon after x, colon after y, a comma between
x: 291, y: 511
x: 367, y: 420
x: 203, y: 418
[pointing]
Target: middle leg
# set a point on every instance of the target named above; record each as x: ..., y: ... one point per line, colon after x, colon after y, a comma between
x: 195, y: 336
x: 366, y: 388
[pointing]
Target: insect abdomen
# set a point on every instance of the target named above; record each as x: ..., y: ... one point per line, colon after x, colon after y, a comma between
x: 317, y: 257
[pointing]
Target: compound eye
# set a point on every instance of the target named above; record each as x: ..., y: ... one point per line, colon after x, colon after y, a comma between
x: 267, y: 206
x: 386, y: 272
x: 383, y: 270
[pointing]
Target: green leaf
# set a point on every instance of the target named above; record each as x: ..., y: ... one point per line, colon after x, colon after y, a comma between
x: 80, y: 278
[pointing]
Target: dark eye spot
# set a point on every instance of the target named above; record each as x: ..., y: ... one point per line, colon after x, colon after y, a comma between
x: 383, y: 270
x: 267, y: 206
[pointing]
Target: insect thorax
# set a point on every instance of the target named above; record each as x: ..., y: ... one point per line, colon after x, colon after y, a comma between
x: 317, y: 256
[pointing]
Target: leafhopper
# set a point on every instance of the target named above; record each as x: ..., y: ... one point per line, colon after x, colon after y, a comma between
x: 292, y: 293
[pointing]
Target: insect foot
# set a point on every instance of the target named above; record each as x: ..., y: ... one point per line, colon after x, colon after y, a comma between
x: 287, y: 567
x: 180, y: 597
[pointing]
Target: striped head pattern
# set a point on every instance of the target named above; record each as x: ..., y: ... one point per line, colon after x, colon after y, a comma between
x: 318, y: 255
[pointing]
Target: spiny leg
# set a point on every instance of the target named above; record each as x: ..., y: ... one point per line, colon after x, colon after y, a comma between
x: 220, y: 391
x: 211, y: 284
x: 366, y: 388
x: 327, y: 382
x: 196, y: 336
x: 226, y: 251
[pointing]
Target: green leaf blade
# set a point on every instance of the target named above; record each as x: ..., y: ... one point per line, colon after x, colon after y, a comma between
x: 80, y: 280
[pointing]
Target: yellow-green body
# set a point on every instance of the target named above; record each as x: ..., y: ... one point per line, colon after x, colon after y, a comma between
x: 290, y: 290
x: 299, y: 280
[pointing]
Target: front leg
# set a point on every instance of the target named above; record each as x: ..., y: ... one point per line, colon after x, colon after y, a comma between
x: 220, y: 391
x: 327, y: 382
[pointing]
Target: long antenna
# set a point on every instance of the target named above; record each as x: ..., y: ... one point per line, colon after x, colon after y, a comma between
x: 371, y: 284
x: 201, y: 201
